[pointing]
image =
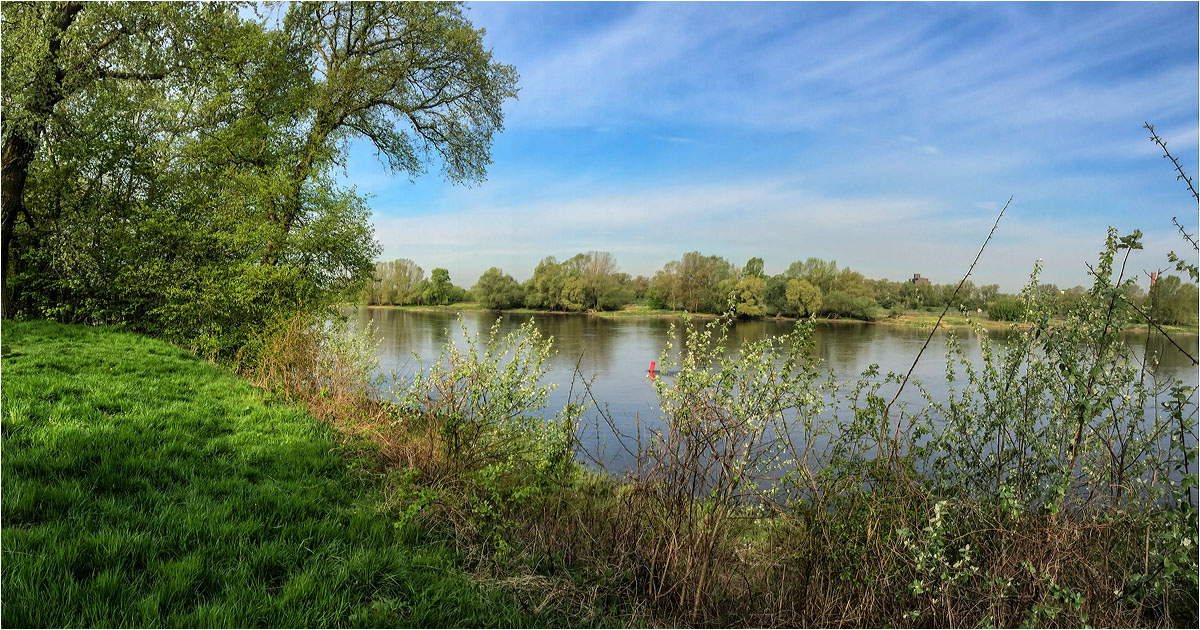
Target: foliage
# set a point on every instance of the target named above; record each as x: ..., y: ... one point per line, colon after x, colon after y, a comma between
x: 481, y: 399
x: 497, y: 290
x: 396, y: 283
x: 67, y: 59
x: 803, y: 299
x: 439, y: 290
x: 695, y: 283
x: 816, y: 272
x: 750, y: 297
x: 754, y: 268
x: 544, y: 288
x: 586, y: 282
x: 1171, y: 301
x: 190, y: 192
x: 842, y: 304
x: 318, y: 357
x: 775, y: 294
x: 1007, y: 310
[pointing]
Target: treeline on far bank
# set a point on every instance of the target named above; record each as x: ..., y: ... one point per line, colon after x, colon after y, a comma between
x: 711, y: 284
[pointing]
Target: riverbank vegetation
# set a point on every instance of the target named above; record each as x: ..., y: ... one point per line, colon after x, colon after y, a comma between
x: 1055, y: 486
x: 699, y: 284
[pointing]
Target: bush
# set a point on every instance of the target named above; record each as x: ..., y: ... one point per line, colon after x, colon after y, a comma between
x: 1007, y: 310
x: 316, y: 355
x: 656, y: 297
x: 483, y: 402
x: 842, y: 304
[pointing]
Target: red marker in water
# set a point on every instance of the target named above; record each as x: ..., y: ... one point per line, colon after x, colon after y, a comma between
x: 652, y: 369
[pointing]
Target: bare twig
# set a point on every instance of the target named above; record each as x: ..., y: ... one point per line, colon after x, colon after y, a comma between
x: 1188, y: 237
x: 887, y: 410
x: 1156, y: 326
x: 1179, y: 169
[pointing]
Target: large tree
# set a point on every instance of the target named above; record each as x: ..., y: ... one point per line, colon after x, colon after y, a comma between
x: 497, y: 290
x: 396, y: 282
x: 413, y: 78
x: 184, y: 182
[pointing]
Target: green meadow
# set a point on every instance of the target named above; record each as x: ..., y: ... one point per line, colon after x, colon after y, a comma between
x: 143, y: 487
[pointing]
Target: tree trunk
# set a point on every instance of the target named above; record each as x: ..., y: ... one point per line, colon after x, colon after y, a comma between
x: 21, y: 146
x: 17, y: 155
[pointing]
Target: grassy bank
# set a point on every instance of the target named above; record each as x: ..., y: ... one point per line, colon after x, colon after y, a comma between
x: 911, y: 319
x: 142, y: 487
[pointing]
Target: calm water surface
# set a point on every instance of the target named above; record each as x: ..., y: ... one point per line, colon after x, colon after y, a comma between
x: 618, y: 352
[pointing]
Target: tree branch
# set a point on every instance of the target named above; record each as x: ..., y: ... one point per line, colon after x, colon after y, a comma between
x: 1179, y: 169
x: 125, y: 74
x: 949, y: 302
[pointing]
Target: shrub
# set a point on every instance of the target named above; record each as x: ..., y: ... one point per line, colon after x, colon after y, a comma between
x: 842, y: 304
x: 322, y: 361
x: 482, y: 401
x: 316, y: 354
x: 1006, y: 310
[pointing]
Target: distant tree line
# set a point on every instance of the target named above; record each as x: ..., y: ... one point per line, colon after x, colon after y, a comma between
x: 711, y: 284
x: 403, y: 282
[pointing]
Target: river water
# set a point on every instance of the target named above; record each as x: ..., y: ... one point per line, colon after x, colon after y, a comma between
x: 617, y: 352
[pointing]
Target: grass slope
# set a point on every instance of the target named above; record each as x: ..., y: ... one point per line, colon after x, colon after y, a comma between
x: 142, y: 487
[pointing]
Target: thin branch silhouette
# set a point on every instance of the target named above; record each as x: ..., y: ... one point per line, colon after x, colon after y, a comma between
x: 887, y: 410
x: 1179, y: 169
x: 1188, y: 237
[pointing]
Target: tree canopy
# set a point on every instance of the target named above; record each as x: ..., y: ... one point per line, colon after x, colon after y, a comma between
x: 171, y: 166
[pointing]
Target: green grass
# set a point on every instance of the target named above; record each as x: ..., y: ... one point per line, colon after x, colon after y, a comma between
x: 142, y: 487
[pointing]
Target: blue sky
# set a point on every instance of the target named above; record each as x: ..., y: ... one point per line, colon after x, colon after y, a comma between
x: 885, y: 136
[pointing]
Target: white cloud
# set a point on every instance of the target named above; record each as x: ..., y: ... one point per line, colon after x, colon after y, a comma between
x: 773, y: 218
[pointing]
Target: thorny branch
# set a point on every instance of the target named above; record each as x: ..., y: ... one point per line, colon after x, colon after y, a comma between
x: 1179, y: 169
x: 949, y: 302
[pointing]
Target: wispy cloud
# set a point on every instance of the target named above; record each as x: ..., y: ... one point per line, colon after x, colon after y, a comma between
x: 863, y: 132
x: 676, y: 139
x: 879, y: 236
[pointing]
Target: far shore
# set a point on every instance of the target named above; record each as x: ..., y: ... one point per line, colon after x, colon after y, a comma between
x: 909, y: 319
